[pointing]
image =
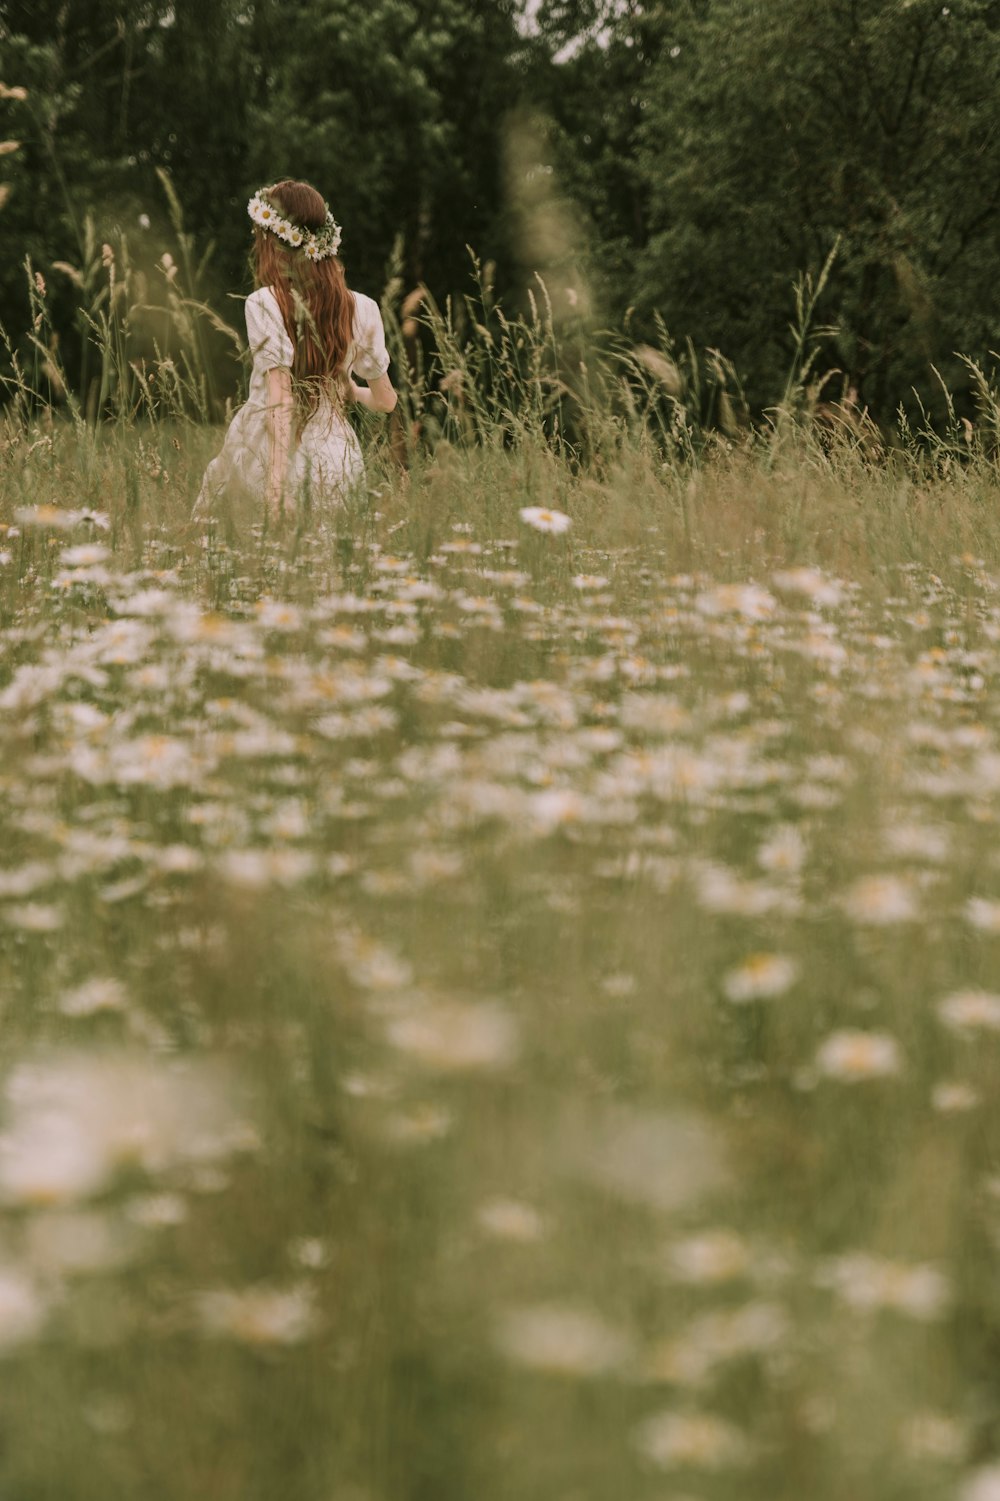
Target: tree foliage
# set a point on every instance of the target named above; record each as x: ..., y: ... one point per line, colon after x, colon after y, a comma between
x: 719, y: 148
x: 709, y: 150
x: 392, y: 108
x: 774, y: 131
x: 396, y: 107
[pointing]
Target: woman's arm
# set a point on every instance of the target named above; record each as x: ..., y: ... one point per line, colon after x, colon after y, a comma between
x: 279, y: 432
x: 378, y: 396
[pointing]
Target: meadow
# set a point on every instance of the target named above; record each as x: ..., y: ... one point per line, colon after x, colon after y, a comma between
x: 499, y: 981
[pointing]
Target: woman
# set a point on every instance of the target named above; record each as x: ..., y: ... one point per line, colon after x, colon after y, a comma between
x: 309, y: 336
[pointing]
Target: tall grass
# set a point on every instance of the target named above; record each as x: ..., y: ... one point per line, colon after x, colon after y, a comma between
x: 491, y: 1012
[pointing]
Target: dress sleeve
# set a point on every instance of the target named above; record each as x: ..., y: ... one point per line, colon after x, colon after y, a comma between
x: 371, y: 358
x: 268, y: 337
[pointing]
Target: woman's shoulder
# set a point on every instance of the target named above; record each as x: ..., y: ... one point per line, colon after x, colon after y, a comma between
x: 366, y: 309
x: 263, y: 312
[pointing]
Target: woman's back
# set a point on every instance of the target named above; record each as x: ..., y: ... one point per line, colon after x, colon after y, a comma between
x: 272, y: 347
x: 309, y: 336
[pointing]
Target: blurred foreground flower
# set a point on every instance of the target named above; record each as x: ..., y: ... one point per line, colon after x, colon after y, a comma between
x: 256, y: 869
x: 86, y: 555
x: 716, y: 1256
x: 934, y: 1436
x: 852, y: 1056
x: 749, y: 600
x: 665, y: 1160
x: 694, y: 1357
x: 983, y: 914
x: 952, y: 1097
x: 23, y: 1310
x: 562, y: 1341
x: 869, y: 1283
x: 34, y: 917
x: 60, y: 519
x: 881, y: 900
x: 544, y: 520
x: 451, y: 1036
x: 73, y: 1242
x: 811, y: 584
x: 971, y: 1011
x: 93, y: 996
x: 982, y: 1485
x: 259, y: 1315
x: 672, y: 1440
x: 76, y: 1119
x: 509, y: 1219
x: 783, y: 852
x: 759, y: 977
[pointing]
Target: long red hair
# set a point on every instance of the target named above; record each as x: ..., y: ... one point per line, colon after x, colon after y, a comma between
x: 317, y: 307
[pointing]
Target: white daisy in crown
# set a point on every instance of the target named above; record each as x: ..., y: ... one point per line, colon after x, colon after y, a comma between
x: 317, y: 243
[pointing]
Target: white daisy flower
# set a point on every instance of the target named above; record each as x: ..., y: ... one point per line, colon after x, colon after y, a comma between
x: 952, y: 1097
x: 542, y: 519
x: 811, y: 583
x: 881, y: 900
x: 690, y: 1440
x: 258, y: 1315
x: 971, y: 1011
x: 511, y: 1220
x: 982, y: 913
x: 23, y: 1309
x: 318, y: 244
x: 716, y: 1256
x: 562, y: 1341
x: 868, y: 1283
x: 749, y: 600
x: 759, y: 977
x: 982, y: 1485
x: 851, y: 1056
x: 450, y: 1036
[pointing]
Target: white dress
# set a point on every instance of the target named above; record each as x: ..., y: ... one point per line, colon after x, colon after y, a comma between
x: 326, y: 461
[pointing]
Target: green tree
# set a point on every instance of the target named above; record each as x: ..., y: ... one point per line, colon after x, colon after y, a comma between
x: 773, y: 129
x: 591, y: 64
x: 394, y: 109
x: 114, y: 93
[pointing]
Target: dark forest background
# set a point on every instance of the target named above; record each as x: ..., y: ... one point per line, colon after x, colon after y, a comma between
x: 686, y: 158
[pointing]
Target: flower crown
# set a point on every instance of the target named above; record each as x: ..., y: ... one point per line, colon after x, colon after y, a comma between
x: 317, y: 243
